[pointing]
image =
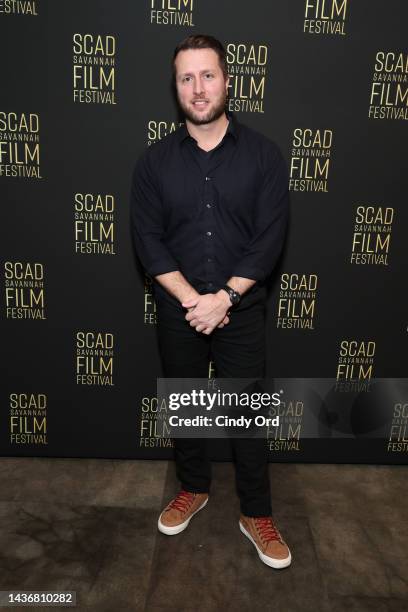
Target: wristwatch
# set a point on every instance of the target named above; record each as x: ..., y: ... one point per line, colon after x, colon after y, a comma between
x: 234, y: 296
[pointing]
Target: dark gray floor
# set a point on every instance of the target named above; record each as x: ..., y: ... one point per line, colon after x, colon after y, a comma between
x: 90, y: 526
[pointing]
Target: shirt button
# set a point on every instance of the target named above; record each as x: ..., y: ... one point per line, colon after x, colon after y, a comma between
x: 209, y: 259
x: 208, y: 178
x: 208, y: 205
x: 208, y: 233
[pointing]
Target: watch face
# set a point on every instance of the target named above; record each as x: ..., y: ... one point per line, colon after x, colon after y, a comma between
x: 235, y: 297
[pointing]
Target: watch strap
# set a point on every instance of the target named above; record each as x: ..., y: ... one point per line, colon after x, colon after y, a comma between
x: 233, y: 295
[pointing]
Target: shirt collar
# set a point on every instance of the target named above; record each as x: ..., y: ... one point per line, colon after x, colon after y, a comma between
x: 232, y: 129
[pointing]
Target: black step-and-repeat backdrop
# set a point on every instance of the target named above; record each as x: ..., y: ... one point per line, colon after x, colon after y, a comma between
x: 85, y: 86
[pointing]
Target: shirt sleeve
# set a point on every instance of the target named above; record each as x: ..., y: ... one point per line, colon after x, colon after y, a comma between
x: 147, y: 220
x: 271, y: 218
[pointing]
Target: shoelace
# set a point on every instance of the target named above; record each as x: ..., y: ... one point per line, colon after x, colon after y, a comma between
x: 182, y: 501
x: 267, y: 529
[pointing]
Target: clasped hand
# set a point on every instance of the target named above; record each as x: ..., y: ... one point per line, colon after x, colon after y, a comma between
x: 208, y: 311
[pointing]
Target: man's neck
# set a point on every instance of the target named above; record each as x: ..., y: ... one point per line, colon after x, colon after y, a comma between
x: 208, y: 135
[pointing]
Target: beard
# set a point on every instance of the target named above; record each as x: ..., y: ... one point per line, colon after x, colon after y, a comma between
x: 211, y: 115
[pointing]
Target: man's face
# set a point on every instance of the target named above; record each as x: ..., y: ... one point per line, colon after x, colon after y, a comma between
x: 201, y: 86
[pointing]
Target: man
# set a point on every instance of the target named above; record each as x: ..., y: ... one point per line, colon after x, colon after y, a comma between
x: 209, y: 208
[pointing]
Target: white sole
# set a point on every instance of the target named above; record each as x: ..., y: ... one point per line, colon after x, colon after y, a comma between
x: 178, y: 528
x: 275, y: 563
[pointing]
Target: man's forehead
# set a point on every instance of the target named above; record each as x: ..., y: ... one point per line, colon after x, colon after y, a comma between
x: 199, y: 59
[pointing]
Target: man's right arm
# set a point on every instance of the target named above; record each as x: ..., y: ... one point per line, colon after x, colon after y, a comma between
x: 147, y: 222
x: 177, y: 286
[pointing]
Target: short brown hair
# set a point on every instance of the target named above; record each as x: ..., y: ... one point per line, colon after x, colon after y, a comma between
x: 202, y: 41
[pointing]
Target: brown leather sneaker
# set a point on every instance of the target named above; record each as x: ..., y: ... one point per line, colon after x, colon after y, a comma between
x: 179, y: 512
x: 267, y: 540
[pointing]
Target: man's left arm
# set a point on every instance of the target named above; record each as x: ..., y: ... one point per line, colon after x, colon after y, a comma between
x: 271, y: 217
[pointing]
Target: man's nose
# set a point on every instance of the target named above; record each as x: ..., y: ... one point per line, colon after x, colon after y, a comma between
x: 198, y: 86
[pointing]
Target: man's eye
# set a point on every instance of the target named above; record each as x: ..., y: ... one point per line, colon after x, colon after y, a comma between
x: 186, y: 79
x: 209, y: 75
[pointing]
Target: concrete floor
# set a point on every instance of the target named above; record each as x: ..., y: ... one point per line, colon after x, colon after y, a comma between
x: 89, y: 525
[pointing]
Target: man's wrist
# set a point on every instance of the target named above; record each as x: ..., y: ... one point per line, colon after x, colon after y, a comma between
x: 223, y: 295
x: 189, y: 295
x: 233, y: 295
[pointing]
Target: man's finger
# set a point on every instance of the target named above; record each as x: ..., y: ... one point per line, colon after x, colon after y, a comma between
x: 191, y: 317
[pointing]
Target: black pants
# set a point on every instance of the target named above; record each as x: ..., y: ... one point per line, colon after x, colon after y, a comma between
x: 238, y: 351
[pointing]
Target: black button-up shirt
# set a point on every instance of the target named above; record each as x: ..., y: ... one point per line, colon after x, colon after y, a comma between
x: 210, y: 215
